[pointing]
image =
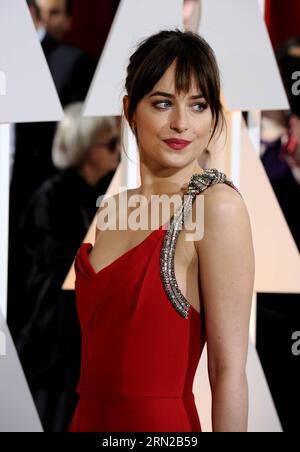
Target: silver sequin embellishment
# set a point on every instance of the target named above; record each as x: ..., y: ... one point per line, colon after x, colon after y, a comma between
x: 197, y: 184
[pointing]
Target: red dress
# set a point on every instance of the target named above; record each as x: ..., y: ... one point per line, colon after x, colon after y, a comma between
x: 139, y: 353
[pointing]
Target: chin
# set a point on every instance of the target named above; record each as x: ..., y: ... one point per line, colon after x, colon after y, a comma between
x: 175, y: 163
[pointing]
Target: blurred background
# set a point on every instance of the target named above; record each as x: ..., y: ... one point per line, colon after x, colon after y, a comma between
x: 74, y: 162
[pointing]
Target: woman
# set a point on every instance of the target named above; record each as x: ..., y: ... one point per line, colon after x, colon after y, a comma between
x: 142, y: 339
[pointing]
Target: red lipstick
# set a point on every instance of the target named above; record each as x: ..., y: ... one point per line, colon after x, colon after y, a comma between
x: 177, y: 144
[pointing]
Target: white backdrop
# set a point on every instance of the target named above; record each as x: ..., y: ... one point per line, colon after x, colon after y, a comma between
x: 237, y: 32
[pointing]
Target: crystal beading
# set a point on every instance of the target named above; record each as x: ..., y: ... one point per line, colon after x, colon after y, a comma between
x: 197, y: 184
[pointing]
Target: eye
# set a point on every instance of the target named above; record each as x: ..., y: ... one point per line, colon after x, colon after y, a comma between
x: 162, y: 104
x: 200, y: 106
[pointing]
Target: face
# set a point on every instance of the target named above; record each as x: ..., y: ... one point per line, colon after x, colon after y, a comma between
x: 172, y: 129
x: 54, y: 17
x: 105, y: 153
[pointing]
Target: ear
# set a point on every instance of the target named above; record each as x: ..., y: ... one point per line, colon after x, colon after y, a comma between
x: 125, y: 106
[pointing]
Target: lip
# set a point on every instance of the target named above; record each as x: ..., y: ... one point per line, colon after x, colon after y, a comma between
x: 177, y: 144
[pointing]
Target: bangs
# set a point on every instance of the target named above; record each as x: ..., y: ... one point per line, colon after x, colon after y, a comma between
x: 189, y: 73
x: 193, y: 67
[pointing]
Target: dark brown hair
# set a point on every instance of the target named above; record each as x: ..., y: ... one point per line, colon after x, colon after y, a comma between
x: 194, y: 57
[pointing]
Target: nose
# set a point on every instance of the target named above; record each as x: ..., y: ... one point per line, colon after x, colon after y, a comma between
x: 179, y: 121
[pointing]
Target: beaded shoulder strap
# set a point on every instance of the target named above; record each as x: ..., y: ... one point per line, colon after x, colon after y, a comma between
x: 197, y: 184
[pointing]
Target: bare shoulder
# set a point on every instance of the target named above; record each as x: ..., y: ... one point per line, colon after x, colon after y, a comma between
x: 223, y: 204
x: 226, y: 222
x: 220, y: 195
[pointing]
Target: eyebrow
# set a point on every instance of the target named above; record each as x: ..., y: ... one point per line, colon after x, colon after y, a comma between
x: 171, y: 96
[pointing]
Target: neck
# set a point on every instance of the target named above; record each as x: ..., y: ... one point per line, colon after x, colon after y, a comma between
x: 168, y: 181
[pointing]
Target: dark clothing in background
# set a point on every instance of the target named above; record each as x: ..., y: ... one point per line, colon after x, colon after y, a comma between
x: 48, y: 339
x: 72, y: 71
x: 71, y: 68
x: 278, y: 314
x: 286, y: 188
x: 41, y: 317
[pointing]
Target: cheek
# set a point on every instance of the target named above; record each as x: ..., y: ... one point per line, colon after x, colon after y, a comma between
x: 149, y: 122
x: 155, y: 124
x: 203, y: 125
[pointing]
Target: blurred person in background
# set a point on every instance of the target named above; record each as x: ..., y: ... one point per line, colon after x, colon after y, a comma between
x: 56, y: 16
x: 280, y: 139
x: 278, y: 313
x: 72, y: 71
x: 288, y: 56
x: 86, y: 151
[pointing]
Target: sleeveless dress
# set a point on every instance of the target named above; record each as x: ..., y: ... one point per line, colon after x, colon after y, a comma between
x: 141, y: 339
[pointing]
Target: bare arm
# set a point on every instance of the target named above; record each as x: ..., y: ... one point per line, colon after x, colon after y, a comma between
x: 226, y: 260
